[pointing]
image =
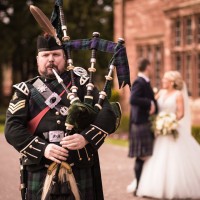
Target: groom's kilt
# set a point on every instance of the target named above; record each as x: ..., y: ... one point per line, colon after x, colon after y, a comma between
x: 141, y: 140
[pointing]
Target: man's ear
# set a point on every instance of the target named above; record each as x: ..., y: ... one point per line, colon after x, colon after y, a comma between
x: 37, y: 59
x: 64, y: 55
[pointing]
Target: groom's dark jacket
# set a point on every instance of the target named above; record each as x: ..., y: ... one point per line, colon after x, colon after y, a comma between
x: 141, y: 98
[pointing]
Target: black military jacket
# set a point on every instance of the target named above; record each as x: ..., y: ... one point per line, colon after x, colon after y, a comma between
x: 30, y: 136
x: 141, y: 97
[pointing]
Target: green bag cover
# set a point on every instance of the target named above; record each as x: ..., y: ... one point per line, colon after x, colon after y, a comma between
x: 118, y: 113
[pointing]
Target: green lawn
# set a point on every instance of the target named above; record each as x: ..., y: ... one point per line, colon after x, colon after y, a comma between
x: 119, y: 142
x: 1, y: 128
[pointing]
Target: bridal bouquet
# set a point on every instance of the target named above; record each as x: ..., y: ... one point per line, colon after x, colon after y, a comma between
x: 165, y: 124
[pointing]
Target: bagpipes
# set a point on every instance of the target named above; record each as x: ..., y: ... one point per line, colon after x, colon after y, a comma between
x: 60, y: 182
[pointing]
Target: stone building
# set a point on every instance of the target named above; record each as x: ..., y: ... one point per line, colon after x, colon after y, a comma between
x: 168, y: 33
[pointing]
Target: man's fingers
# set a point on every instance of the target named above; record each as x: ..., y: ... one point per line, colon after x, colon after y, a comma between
x: 56, y: 153
x: 75, y: 145
x: 68, y: 142
x: 70, y: 138
x: 73, y: 142
x: 61, y: 149
x: 59, y: 152
x: 55, y: 160
x: 59, y: 157
x: 70, y: 146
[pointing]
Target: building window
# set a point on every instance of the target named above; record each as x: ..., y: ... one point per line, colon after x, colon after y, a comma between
x: 185, y: 58
x: 198, y: 74
x: 158, y: 65
x: 198, y: 29
x: 188, y: 73
x: 178, y: 62
x: 177, y: 32
x: 155, y: 54
x: 188, y: 30
x: 140, y: 52
x: 149, y: 53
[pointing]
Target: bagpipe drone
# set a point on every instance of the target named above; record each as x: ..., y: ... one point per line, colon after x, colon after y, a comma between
x: 60, y: 175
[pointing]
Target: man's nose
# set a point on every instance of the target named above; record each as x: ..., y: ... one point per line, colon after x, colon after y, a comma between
x: 51, y: 58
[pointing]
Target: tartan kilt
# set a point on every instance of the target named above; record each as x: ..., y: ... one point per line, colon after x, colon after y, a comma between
x: 141, y: 140
x: 83, y: 176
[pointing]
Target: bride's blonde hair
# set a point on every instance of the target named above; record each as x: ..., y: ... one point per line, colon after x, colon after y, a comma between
x: 176, y: 78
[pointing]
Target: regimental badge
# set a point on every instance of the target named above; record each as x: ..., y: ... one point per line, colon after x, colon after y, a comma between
x: 14, y: 97
x: 42, y: 88
x: 14, y: 107
x: 79, y: 71
x: 64, y: 110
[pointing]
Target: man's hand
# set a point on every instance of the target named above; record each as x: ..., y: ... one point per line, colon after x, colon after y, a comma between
x: 74, y: 142
x: 152, y: 108
x: 55, y: 153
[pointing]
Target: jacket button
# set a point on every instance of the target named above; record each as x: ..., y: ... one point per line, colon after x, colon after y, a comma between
x: 57, y: 113
x: 58, y: 121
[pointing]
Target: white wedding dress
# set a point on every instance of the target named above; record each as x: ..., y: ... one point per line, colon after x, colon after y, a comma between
x: 173, y: 171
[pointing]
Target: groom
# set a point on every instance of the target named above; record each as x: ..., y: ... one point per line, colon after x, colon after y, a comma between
x: 143, y: 104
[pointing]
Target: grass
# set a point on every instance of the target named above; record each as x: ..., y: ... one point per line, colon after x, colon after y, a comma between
x: 1, y: 128
x: 118, y: 142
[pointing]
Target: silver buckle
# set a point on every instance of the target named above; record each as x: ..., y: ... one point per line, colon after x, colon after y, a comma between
x: 79, y: 71
x: 56, y: 136
x: 53, y: 100
x: 83, y: 80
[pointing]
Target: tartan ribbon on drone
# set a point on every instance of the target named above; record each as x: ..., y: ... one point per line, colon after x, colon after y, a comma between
x: 119, y: 58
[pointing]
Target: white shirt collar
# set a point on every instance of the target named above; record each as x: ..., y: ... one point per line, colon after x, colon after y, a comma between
x: 140, y: 74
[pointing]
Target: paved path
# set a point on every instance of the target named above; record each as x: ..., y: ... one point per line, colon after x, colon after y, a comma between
x: 116, y: 172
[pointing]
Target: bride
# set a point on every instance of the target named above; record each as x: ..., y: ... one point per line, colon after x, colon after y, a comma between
x: 173, y: 172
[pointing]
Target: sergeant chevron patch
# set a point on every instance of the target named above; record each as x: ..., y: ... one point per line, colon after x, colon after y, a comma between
x: 17, y: 106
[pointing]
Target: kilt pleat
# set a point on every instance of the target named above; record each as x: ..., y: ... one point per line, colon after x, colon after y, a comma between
x: 141, y: 140
x: 35, y: 184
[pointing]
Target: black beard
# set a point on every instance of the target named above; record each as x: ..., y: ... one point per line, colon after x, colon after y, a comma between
x: 48, y: 76
x: 51, y: 76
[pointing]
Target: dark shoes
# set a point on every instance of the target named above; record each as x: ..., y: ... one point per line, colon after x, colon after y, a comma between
x: 135, y: 193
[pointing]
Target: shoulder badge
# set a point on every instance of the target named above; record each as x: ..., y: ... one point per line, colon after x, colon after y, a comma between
x: 14, y: 107
x: 22, y: 87
x: 15, y: 96
x: 79, y: 71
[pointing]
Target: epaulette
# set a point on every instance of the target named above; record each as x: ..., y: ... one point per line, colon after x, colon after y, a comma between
x: 82, y: 73
x: 22, y: 87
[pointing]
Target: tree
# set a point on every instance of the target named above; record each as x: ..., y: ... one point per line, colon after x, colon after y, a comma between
x: 20, y: 30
